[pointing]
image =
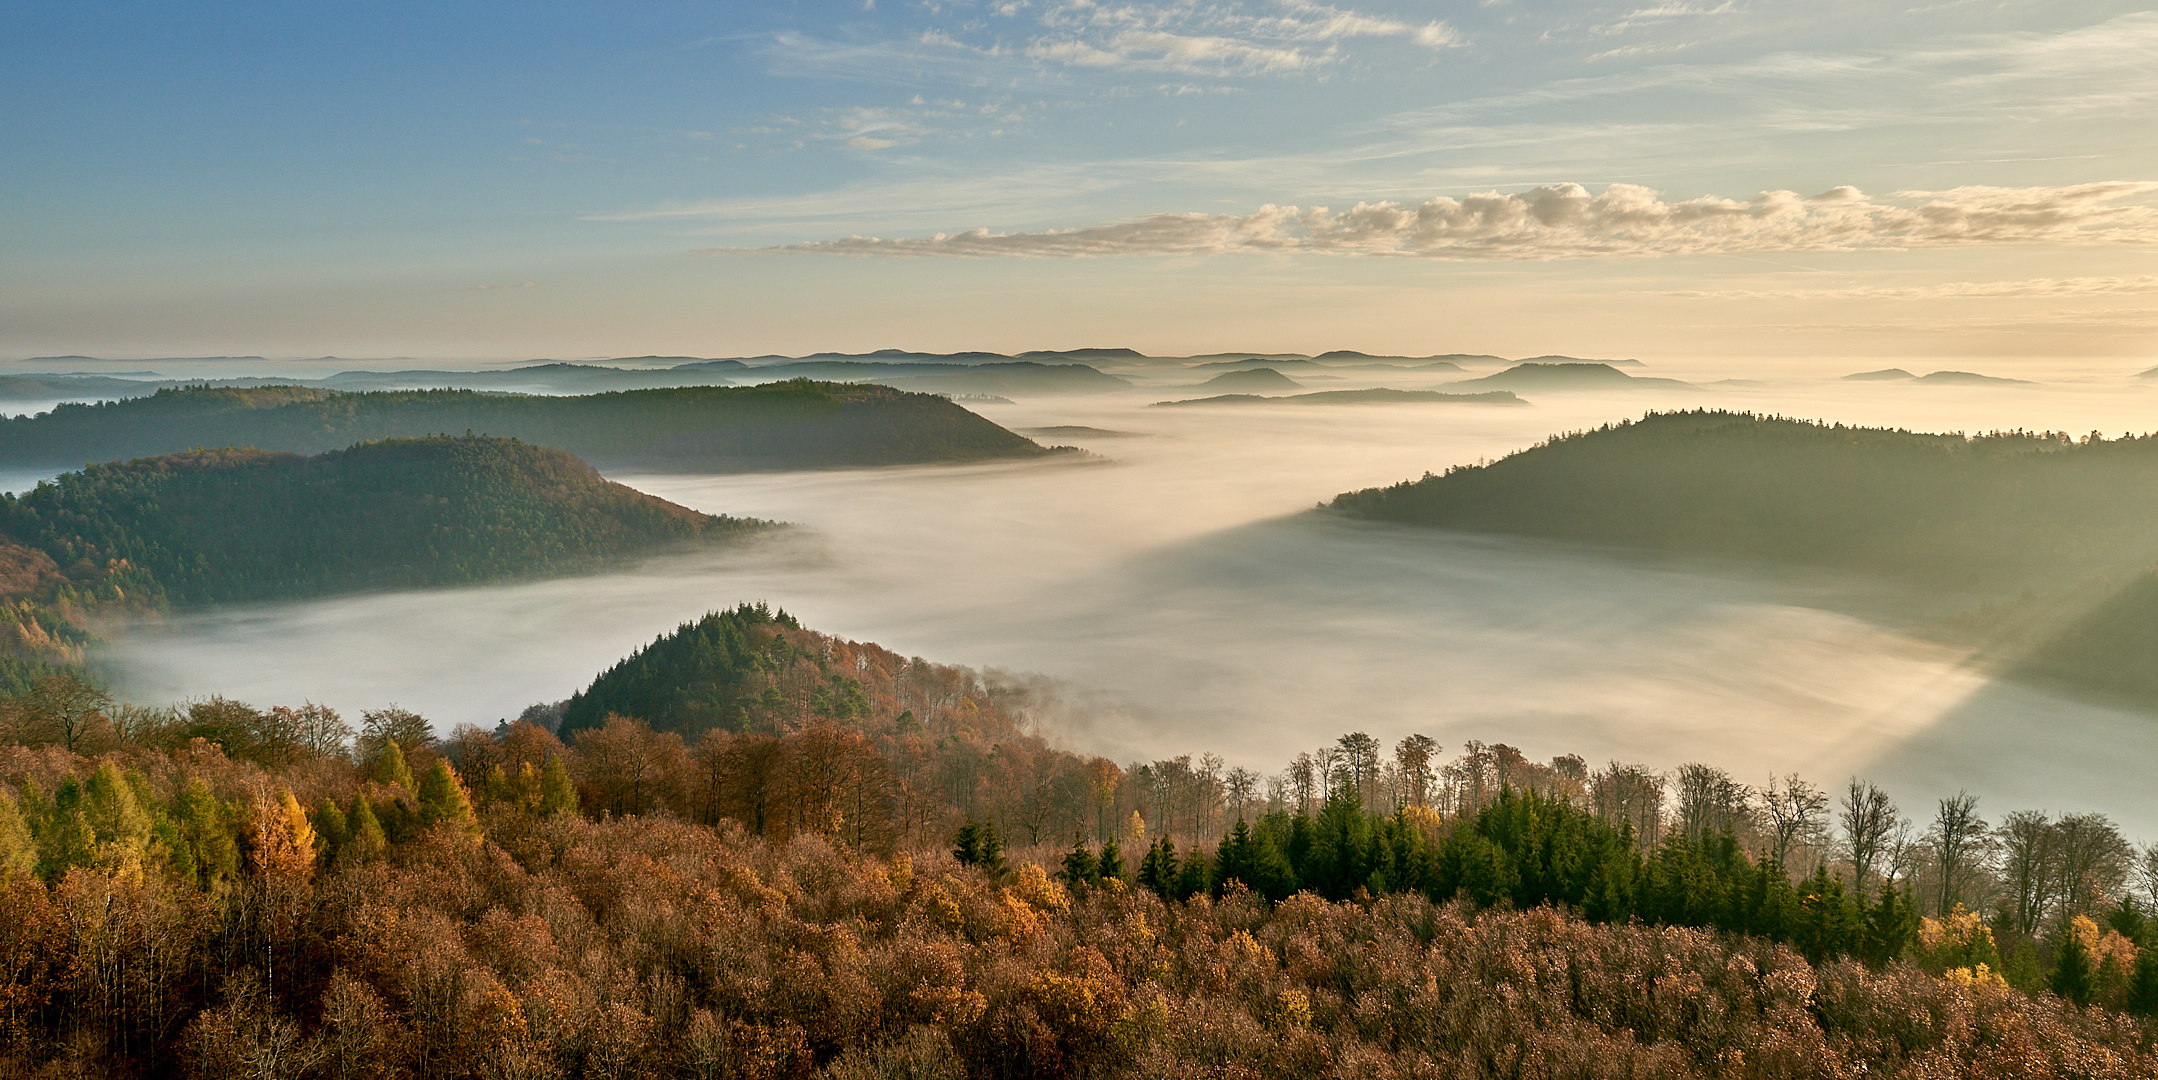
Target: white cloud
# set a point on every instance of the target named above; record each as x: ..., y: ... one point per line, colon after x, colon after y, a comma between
x: 1566, y: 221
x: 1214, y: 39
x: 2040, y: 288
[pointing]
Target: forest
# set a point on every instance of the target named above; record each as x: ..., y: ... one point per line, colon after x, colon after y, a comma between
x: 785, y: 425
x: 232, y: 525
x: 830, y: 860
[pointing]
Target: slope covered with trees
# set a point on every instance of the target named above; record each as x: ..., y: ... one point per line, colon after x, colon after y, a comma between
x: 212, y: 526
x: 216, y: 890
x: 785, y: 425
x: 1992, y: 511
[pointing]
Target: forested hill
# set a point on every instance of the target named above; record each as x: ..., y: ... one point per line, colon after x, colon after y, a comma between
x: 233, y: 525
x: 786, y: 425
x: 1992, y: 511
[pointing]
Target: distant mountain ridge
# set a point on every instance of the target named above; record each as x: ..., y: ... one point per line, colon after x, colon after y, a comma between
x: 782, y: 425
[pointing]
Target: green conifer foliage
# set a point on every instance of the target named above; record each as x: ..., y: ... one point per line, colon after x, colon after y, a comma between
x: 206, y: 832
x: 1080, y: 868
x: 557, y: 795
x: 390, y: 768
x: 332, y: 830
x: 121, y: 827
x: 1111, y: 864
x: 368, y: 841
x: 2143, y: 983
x: 443, y: 801
x: 2072, y: 975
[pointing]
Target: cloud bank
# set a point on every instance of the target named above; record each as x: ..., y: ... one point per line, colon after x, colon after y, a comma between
x: 1562, y: 221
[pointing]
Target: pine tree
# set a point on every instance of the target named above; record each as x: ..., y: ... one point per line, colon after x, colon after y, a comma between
x: 2143, y: 983
x: 390, y: 767
x: 1079, y: 865
x: 368, y: 841
x: 1110, y: 867
x: 557, y: 795
x: 443, y: 801
x: 1196, y: 876
x: 967, y: 844
x: 2072, y: 975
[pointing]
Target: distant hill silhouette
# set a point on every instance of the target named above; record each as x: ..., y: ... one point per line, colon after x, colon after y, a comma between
x: 1355, y: 397
x: 1536, y: 376
x: 1252, y: 380
x: 1883, y: 375
x: 785, y: 425
x: 1966, y: 378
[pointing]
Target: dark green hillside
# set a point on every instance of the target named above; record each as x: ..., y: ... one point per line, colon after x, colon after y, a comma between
x: 704, y: 676
x: 232, y: 525
x: 787, y: 425
x: 1999, y: 510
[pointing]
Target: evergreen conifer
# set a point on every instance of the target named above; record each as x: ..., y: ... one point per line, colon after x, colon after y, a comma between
x: 390, y: 768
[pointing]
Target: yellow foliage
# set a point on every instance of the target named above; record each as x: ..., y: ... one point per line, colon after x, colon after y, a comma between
x: 900, y: 872
x: 1017, y: 921
x: 1291, y: 1010
x: 1980, y: 978
x: 1031, y: 883
x: 2105, y: 946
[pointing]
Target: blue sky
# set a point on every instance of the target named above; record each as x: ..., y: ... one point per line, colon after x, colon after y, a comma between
x: 488, y: 180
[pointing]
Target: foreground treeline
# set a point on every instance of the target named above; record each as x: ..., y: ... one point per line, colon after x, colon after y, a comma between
x: 526, y: 941
x: 827, y: 856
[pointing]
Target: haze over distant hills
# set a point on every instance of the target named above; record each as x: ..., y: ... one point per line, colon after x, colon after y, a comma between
x: 1540, y: 376
x: 783, y: 425
x: 1251, y: 380
x: 1379, y: 396
x: 1977, y: 517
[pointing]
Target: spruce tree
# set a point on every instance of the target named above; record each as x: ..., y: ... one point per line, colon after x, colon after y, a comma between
x: 557, y: 795
x: 2143, y: 983
x: 443, y: 801
x: 967, y: 844
x: 1110, y: 867
x: 2072, y: 975
x: 1079, y: 865
x: 992, y: 849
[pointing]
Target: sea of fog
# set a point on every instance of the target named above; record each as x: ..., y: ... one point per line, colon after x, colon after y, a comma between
x: 1177, y: 591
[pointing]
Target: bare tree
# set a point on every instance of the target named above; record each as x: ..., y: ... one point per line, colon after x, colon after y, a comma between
x: 1360, y: 757
x: 1304, y: 776
x: 1711, y: 802
x: 1796, y: 811
x: 1629, y: 795
x: 1412, y: 755
x: 2094, y: 861
x: 2027, y: 858
x: 1242, y: 785
x: 1868, y: 820
x: 1957, y: 833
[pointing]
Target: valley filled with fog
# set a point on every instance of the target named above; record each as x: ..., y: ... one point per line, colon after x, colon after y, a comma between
x: 1168, y: 593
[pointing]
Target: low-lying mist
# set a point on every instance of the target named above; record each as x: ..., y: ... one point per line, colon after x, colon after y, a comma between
x: 1183, y: 600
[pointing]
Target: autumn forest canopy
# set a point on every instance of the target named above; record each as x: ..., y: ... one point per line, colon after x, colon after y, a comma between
x: 752, y: 849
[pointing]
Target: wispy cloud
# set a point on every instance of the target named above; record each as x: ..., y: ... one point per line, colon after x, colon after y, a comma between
x: 1560, y: 221
x: 2034, y: 288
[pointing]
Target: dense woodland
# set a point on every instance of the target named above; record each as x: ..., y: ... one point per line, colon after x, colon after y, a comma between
x: 783, y: 425
x: 210, y: 526
x: 827, y: 859
x: 2053, y: 533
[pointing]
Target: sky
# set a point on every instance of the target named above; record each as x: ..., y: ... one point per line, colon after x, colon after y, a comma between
x: 491, y: 181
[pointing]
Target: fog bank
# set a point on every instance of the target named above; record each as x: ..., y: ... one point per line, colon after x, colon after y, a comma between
x: 1176, y: 586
